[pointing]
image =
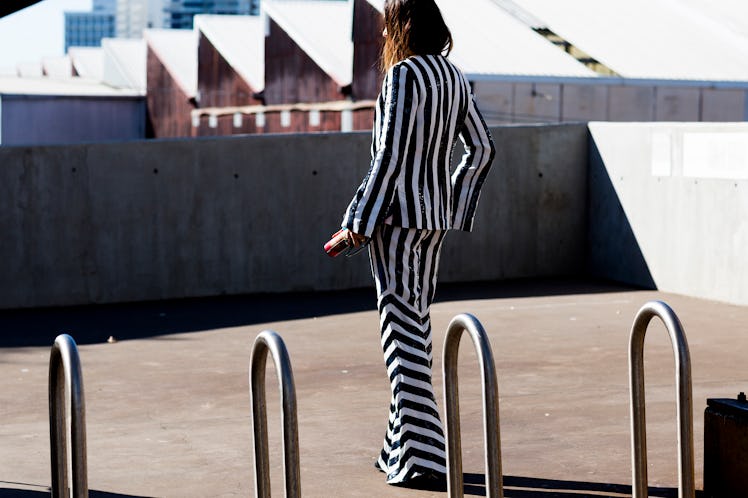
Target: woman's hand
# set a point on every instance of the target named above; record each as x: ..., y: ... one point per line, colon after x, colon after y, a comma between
x: 355, y: 239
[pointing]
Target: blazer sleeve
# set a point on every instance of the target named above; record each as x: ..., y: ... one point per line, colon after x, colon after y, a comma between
x: 469, y: 175
x: 372, y: 199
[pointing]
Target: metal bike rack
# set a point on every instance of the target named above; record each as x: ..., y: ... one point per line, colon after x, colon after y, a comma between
x: 269, y: 341
x: 65, y: 376
x: 492, y: 441
x: 686, y: 488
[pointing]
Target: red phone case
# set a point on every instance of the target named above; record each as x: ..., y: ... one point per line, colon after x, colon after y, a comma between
x: 337, y: 243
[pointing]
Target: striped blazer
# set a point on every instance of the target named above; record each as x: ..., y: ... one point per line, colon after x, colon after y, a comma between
x: 424, y: 106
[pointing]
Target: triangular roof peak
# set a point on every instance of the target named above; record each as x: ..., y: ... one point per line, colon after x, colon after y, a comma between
x: 322, y: 28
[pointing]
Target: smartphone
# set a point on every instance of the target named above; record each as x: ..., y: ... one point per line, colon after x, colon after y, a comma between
x: 337, y: 243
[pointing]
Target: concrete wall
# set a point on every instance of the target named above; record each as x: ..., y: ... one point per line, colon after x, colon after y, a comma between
x: 168, y: 219
x: 669, y: 207
x: 531, y: 219
x: 38, y: 120
x: 655, y: 205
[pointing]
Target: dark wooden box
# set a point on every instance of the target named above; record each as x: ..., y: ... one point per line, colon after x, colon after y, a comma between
x: 726, y: 448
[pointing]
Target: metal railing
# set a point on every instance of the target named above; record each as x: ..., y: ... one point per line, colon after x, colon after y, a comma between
x: 686, y: 488
x: 269, y: 341
x: 65, y: 378
x: 492, y: 440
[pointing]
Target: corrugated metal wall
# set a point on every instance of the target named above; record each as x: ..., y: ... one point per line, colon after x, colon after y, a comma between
x: 218, y: 83
x: 367, y: 44
x: 168, y: 106
x: 40, y: 120
x: 292, y: 76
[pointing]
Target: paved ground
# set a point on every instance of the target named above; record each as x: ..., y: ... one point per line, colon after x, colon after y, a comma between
x: 168, y: 407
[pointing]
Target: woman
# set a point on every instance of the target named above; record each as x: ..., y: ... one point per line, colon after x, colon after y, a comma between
x: 405, y: 205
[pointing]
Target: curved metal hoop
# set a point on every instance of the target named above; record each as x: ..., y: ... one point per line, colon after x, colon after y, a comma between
x: 269, y: 341
x: 492, y: 440
x: 686, y: 487
x: 65, y: 376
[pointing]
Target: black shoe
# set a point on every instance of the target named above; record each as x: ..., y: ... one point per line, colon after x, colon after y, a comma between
x: 426, y: 482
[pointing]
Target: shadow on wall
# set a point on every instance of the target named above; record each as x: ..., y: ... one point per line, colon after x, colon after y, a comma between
x: 612, y: 249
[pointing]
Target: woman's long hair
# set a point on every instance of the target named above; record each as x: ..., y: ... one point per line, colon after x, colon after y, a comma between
x: 414, y: 27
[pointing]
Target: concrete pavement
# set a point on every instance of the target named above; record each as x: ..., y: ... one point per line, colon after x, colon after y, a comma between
x: 168, y: 406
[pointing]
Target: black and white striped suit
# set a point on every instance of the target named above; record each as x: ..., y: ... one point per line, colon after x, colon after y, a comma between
x: 406, y: 202
x: 424, y: 106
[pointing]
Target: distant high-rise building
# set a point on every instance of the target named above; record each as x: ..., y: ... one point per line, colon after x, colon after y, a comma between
x: 157, y: 14
x: 113, y: 19
x: 133, y: 18
x: 105, y: 6
x: 128, y: 18
x: 180, y: 12
x: 86, y: 29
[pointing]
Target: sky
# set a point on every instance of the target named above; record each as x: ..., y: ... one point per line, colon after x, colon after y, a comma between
x: 36, y: 32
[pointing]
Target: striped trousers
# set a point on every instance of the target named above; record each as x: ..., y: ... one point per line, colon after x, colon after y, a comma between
x: 404, y: 262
